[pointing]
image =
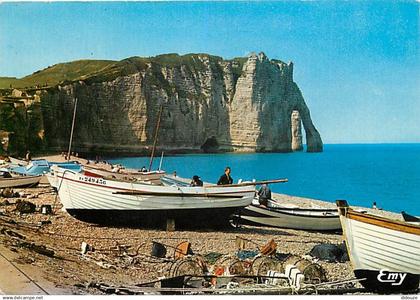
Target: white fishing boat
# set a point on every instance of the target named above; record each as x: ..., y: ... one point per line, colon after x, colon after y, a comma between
x: 293, y: 217
x: 52, y: 176
x: 384, y: 253
x: 124, y: 174
x: 105, y: 201
x: 18, y: 162
x: 17, y: 181
x: 410, y: 219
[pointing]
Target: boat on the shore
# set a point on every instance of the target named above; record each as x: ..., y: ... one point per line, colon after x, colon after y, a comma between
x: 410, y: 218
x: 111, y: 201
x: 124, y: 174
x: 17, y: 161
x: 18, y: 181
x: 384, y: 253
x: 292, y: 217
x: 41, y: 167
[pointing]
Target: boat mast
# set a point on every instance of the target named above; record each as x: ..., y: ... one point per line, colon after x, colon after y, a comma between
x: 155, y: 138
x: 72, y: 128
x: 161, y: 160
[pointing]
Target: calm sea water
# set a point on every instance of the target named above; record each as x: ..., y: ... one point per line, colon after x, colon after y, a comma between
x: 360, y: 173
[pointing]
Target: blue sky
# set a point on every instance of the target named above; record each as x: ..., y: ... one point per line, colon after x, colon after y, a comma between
x: 357, y: 63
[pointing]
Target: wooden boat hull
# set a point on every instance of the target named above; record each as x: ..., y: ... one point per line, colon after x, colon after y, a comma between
x: 292, y: 218
x: 386, y: 253
x: 20, y: 181
x: 107, y: 201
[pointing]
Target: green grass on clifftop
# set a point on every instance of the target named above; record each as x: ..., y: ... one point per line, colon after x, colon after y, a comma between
x: 92, y: 71
x: 55, y: 74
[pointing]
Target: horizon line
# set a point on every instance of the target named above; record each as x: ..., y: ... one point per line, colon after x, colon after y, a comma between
x: 369, y: 143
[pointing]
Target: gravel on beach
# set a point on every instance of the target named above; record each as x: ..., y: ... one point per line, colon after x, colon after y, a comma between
x: 71, y: 270
x: 74, y: 271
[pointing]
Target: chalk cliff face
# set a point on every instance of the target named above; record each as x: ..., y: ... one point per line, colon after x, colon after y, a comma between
x: 209, y: 104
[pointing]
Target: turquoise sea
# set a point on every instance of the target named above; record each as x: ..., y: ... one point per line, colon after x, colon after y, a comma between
x: 360, y: 173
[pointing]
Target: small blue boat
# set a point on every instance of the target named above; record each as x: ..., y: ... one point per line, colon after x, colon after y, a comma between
x: 42, y: 166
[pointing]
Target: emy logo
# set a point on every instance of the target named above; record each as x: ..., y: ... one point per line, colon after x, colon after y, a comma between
x: 395, y: 278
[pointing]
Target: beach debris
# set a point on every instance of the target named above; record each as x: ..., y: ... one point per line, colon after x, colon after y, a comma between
x: 5, y: 202
x: 212, y: 257
x: 11, y: 233
x: 262, y: 264
x: 105, y: 265
x: 276, y: 278
x: 41, y: 249
x: 330, y: 252
x: 221, y: 282
x: 25, y: 207
x: 158, y: 250
x: 345, y: 256
x: 122, y: 250
x: 295, y: 276
x: 46, y: 209
x: 183, y: 249
x: 32, y: 196
x: 44, y: 222
x: 240, y: 267
x: 246, y: 254
x: 269, y: 248
x: 120, y: 290
x: 313, y: 272
x: 85, y: 248
x: 187, y: 266
x: 216, y: 271
x: 8, y: 193
x: 241, y: 243
x: 173, y: 282
x: 230, y: 266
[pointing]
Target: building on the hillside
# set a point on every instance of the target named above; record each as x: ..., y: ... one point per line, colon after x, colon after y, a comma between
x: 21, y: 98
x: 20, y: 94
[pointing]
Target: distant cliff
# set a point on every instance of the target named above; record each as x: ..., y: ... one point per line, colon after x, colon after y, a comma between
x: 209, y: 104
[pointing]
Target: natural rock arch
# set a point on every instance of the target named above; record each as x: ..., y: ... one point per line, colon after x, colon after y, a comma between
x: 296, y: 131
